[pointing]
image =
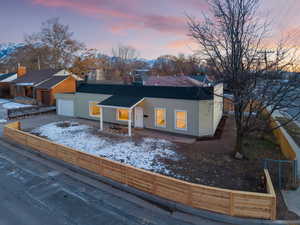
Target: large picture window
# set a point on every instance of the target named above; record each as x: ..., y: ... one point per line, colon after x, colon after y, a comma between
x: 160, y: 117
x: 123, y: 114
x: 180, y: 119
x: 94, y: 109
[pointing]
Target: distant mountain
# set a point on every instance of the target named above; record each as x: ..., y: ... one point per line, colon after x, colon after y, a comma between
x: 7, y: 49
x: 149, y: 61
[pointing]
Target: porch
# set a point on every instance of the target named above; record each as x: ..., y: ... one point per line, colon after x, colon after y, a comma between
x: 128, y: 109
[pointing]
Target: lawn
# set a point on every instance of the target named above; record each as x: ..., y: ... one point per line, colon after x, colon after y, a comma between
x: 145, y: 153
x: 7, y: 104
x: 207, y: 161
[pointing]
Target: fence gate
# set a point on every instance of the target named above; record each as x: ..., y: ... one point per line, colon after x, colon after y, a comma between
x: 283, y: 172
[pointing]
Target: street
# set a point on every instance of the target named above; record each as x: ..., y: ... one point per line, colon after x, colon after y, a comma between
x: 32, y: 193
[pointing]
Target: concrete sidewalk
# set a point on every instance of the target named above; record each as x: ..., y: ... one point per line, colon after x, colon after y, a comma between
x: 292, y: 198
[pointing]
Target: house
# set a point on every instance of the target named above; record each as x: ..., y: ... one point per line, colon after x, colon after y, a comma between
x: 174, y: 81
x: 204, y: 79
x: 40, y: 86
x: 5, y: 82
x: 194, y: 111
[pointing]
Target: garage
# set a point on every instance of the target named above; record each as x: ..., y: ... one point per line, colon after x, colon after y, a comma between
x: 65, y: 107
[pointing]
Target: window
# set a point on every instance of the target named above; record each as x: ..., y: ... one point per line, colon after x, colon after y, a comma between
x: 160, y: 117
x: 180, y: 119
x: 123, y: 114
x: 94, y: 109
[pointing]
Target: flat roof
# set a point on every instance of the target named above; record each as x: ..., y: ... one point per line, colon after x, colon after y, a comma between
x: 188, y: 93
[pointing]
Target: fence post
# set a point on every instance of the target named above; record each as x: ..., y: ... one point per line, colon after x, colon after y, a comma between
x: 295, y: 167
x: 231, y: 204
x: 279, y: 174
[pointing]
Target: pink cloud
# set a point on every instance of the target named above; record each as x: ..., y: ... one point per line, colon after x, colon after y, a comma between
x: 119, y: 15
x: 183, y: 44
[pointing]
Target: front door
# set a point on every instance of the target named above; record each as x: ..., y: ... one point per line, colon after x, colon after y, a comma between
x: 139, y: 117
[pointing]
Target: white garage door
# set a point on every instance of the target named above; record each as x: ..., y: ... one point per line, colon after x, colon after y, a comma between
x: 65, y: 107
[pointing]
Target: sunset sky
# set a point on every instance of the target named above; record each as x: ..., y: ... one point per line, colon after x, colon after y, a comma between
x: 154, y: 27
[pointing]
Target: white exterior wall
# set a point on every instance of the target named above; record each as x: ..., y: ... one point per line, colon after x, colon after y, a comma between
x: 206, y: 118
x: 218, y: 106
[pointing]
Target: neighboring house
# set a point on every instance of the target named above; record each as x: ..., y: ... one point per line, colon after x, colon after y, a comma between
x: 5, y: 82
x: 174, y: 81
x: 194, y: 111
x: 204, y: 79
x: 42, y: 85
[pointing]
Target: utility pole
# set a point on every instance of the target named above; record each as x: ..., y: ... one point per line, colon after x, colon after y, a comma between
x: 265, y: 54
x: 39, y: 63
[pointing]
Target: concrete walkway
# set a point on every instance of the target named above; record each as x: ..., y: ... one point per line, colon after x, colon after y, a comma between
x: 292, y: 198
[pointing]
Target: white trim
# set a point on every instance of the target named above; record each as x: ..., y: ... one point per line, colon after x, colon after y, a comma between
x: 91, y: 115
x: 175, y: 120
x: 117, y: 114
x: 10, y: 78
x: 137, y: 103
x: 59, y: 82
x: 129, y: 122
x: 165, y: 117
x: 113, y: 107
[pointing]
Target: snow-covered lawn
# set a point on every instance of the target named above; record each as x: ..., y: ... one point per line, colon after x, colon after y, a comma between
x: 3, y: 100
x: 14, y: 105
x: 147, y: 154
x: 3, y: 120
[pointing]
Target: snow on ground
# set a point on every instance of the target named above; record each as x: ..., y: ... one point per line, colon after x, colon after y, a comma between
x: 143, y: 155
x: 3, y: 100
x: 14, y: 105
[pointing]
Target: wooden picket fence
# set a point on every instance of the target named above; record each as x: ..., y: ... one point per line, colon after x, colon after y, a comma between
x: 286, y: 145
x: 225, y: 201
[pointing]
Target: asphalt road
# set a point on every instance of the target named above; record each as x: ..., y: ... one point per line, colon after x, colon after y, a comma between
x: 35, y: 193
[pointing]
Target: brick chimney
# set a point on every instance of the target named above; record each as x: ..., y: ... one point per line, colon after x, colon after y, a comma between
x: 21, y: 71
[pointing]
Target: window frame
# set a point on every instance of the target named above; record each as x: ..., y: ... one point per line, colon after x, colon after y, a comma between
x: 100, y: 109
x: 155, y: 117
x: 117, y: 114
x: 175, y: 119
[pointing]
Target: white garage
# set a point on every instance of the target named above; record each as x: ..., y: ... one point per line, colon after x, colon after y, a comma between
x: 65, y: 107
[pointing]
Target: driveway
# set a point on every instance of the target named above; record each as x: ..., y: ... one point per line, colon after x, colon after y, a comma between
x: 35, y: 191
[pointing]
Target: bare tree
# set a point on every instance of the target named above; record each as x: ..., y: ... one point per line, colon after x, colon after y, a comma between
x: 232, y: 37
x: 91, y: 60
x: 34, y: 58
x: 176, y: 65
x: 59, y: 41
x: 124, y: 58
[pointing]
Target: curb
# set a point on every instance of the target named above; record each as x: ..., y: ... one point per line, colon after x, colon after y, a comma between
x: 164, y: 204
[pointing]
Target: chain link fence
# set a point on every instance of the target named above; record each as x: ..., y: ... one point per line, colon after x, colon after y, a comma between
x: 283, y: 173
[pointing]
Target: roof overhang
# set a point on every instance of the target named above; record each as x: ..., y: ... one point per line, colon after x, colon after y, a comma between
x: 117, y: 101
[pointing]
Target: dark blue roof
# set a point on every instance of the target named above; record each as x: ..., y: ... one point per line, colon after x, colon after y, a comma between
x: 6, y: 75
x: 188, y: 93
x: 121, y: 101
x: 201, y: 78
